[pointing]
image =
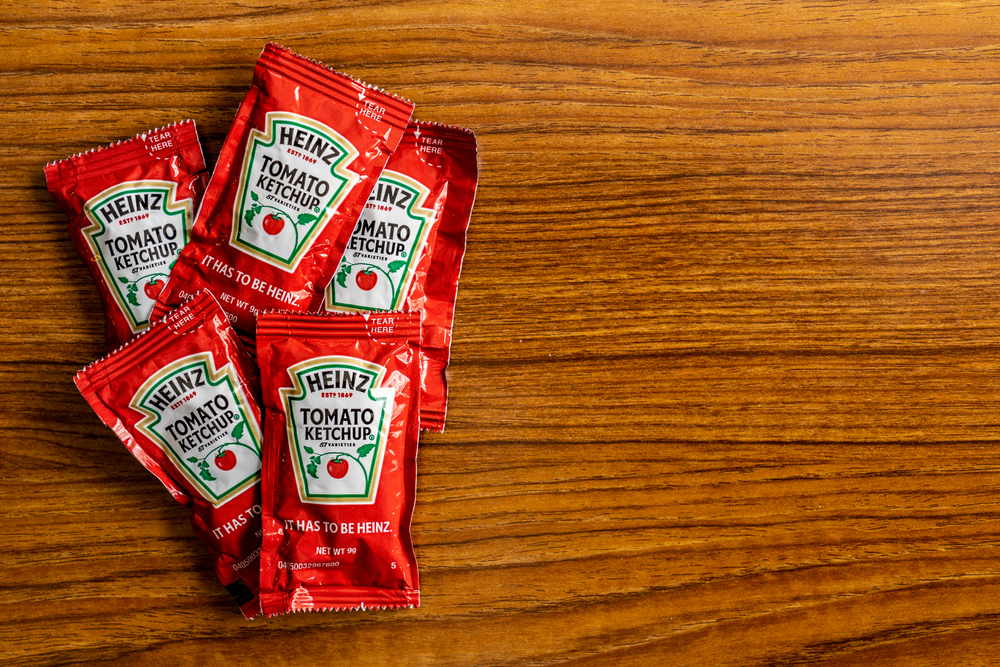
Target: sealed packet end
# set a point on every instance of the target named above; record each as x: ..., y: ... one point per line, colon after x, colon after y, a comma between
x: 341, y: 394
x: 356, y: 599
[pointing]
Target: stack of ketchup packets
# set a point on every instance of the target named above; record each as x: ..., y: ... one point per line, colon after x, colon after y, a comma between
x: 281, y: 330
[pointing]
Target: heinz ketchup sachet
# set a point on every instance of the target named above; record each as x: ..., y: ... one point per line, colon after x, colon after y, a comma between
x: 342, y: 421
x: 131, y: 206
x: 184, y: 399
x: 303, y: 154
x: 406, y: 250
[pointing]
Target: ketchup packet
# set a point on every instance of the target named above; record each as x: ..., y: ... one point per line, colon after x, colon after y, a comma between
x: 406, y: 250
x: 131, y: 206
x: 341, y: 396
x: 184, y: 398
x: 304, y: 152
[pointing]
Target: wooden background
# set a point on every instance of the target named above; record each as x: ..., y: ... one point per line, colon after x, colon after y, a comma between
x: 724, y: 381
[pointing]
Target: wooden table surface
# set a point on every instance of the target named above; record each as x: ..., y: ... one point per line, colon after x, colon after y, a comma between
x: 724, y: 375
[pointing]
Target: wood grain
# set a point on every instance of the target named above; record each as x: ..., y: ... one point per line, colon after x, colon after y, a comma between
x: 724, y: 377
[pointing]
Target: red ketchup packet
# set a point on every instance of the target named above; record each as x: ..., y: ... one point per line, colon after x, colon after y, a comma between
x: 339, y: 480
x: 131, y: 206
x: 406, y: 250
x: 303, y: 153
x: 184, y: 397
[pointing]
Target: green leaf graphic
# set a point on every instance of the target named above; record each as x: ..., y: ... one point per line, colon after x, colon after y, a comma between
x: 397, y: 265
x: 309, y: 450
x: 248, y: 216
x: 132, y: 298
x: 305, y: 219
x: 364, y: 449
x: 123, y: 280
x: 193, y: 459
x: 206, y: 475
x: 253, y: 195
x: 238, y: 430
x: 311, y: 468
x: 345, y: 270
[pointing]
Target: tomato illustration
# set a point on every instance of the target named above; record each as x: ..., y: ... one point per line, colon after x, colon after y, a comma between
x: 366, y: 279
x: 226, y: 460
x: 153, y: 288
x: 337, y: 468
x: 273, y: 224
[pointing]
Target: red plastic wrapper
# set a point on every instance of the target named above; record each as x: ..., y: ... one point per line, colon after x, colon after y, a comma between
x: 303, y: 154
x: 184, y: 398
x: 406, y: 250
x: 341, y: 397
x: 131, y: 206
